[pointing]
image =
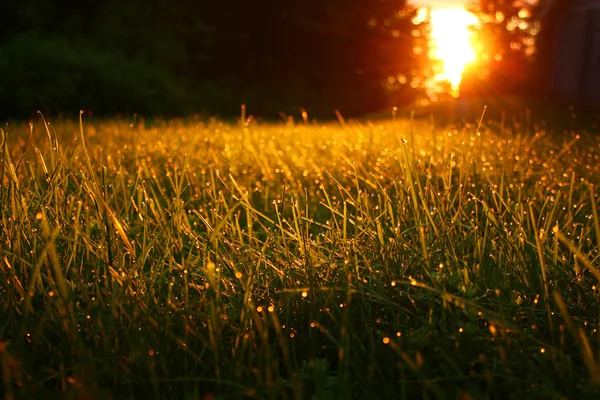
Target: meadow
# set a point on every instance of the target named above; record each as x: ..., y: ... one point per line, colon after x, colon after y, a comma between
x: 383, y: 259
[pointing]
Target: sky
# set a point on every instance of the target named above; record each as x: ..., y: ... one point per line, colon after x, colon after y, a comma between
x: 439, y: 3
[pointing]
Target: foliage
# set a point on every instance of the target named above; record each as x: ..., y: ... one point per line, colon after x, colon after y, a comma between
x: 319, y: 54
x: 275, y: 56
x: 505, y: 43
x: 163, y: 259
x: 53, y: 74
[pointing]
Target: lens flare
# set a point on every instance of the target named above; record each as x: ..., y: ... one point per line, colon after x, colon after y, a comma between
x: 451, y: 43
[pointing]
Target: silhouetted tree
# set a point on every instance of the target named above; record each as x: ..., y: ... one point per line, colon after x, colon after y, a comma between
x: 320, y: 54
x: 186, y: 55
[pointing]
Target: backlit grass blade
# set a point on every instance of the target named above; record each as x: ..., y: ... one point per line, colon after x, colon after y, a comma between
x: 578, y: 254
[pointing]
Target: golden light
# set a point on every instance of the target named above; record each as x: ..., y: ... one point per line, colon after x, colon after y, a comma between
x: 451, y: 45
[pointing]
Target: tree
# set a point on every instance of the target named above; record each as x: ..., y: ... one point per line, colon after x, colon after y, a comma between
x: 319, y: 54
x: 113, y: 56
x: 274, y: 55
x: 505, y: 43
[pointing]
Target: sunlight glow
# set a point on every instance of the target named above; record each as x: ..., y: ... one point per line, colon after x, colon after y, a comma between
x: 451, y: 43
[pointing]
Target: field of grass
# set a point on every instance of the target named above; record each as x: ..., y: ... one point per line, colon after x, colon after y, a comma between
x: 376, y: 260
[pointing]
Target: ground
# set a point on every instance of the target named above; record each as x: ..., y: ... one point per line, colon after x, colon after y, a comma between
x: 378, y: 259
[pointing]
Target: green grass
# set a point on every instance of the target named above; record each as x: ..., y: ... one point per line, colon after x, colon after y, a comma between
x: 349, y: 260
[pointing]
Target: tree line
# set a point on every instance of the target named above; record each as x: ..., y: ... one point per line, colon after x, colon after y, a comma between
x: 186, y: 56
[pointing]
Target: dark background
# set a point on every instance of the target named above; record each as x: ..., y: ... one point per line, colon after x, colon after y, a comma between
x: 179, y: 57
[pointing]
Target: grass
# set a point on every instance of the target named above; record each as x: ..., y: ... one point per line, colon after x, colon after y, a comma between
x: 387, y: 259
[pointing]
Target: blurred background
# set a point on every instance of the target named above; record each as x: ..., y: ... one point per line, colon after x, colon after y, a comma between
x: 180, y: 57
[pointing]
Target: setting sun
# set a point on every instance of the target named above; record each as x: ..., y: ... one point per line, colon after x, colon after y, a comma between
x: 451, y: 43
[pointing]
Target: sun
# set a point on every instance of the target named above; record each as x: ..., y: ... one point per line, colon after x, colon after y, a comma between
x: 450, y: 41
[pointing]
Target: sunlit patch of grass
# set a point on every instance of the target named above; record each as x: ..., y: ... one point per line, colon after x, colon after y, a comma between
x: 176, y: 259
